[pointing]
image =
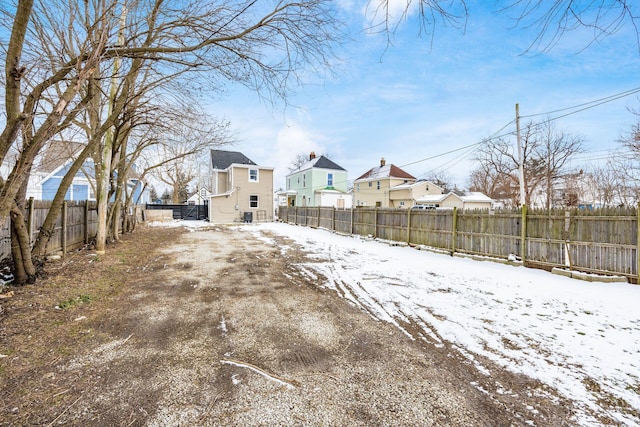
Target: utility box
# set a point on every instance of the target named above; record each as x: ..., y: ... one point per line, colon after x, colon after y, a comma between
x: 248, y: 217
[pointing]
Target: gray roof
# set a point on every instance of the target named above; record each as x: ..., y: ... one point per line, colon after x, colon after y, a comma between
x: 319, y: 162
x: 325, y: 163
x: 221, y: 159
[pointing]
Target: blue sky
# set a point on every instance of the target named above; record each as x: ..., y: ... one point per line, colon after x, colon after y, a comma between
x: 420, y: 98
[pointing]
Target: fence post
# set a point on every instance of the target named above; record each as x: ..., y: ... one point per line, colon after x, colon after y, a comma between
x: 86, y: 222
x: 333, y: 219
x: 565, y: 237
x: 523, y: 233
x: 63, y: 236
x: 408, y: 225
x: 375, y: 223
x: 638, y: 244
x: 454, y: 231
x: 351, y: 225
x: 30, y: 214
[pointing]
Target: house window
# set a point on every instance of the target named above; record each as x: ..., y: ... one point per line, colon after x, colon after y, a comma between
x: 358, y: 187
x: 329, y: 180
x: 304, y: 181
x: 253, y: 201
x: 253, y: 175
x: 370, y: 183
x: 378, y: 185
x: 401, y: 202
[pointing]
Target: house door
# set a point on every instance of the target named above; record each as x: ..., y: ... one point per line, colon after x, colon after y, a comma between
x: 340, y: 203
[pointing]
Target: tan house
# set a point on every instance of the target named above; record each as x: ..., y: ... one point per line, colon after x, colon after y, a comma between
x: 405, y: 195
x: 473, y: 200
x: 373, y: 188
x: 241, y: 191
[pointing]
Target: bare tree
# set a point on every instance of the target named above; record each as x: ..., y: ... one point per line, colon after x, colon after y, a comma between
x: 175, y: 160
x: 552, y: 19
x: 443, y: 180
x: 302, y: 158
x: 555, y: 149
x: 546, y: 153
x: 57, y: 63
x: 499, y: 187
x: 299, y: 160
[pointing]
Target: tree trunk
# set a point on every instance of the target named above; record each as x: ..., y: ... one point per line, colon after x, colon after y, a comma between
x: 46, y: 230
x: 24, y: 270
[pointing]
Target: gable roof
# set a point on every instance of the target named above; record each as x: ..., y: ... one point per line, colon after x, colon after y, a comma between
x: 221, y: 159
x: 433, y: 198
x: 57, y: 154
x: 476, y: 196
x: 386, y: 171
x: 472, y: 197
x: 318, y: 162
x: 414, y: 185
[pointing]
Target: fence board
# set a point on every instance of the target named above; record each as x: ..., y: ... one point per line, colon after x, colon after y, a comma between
x: 600, y: 241
x: 81, y: 223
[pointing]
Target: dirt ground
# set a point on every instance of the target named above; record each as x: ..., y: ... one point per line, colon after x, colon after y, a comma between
x: 217, y: 328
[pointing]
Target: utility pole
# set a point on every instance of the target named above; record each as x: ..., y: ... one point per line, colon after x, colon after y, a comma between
x: 520, y: 157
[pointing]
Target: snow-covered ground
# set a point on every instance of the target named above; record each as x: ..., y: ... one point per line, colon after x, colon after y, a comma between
x: 581, y: 338
x: 565, y: 332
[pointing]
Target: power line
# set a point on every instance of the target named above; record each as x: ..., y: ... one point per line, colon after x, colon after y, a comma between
x: 572, y: 110
x: 587, y: 105
x: 493, y: 136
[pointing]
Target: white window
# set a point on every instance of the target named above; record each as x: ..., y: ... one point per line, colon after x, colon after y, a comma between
x: 304, y: 181
x: 253, y: 175
x: 378, y: 185
x: 329, y: 180
x: 401, y: 202
x: 253, y: 201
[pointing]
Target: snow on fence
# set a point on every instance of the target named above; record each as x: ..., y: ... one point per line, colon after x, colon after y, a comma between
x: 601, y: 241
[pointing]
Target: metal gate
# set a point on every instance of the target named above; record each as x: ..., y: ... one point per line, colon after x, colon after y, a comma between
x: 188, y: 212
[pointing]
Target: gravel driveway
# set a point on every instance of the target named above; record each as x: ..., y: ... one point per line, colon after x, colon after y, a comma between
x: 216, y: 328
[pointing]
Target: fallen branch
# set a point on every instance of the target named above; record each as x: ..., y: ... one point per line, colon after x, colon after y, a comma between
x: 63, y: 412
x: 285, y: 382
x: 206, y: 412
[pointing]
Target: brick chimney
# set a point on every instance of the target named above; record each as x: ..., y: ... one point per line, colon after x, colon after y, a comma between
x: 382, y: 162
x: 312, y: 155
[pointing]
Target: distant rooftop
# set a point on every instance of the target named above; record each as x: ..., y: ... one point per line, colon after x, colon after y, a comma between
x: 221, y: 159
x: 318, y: 162
x: 386, y: 171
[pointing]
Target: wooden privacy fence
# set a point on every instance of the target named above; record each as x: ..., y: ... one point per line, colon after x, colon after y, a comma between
x: 76, y: 225
x: 602, y: 241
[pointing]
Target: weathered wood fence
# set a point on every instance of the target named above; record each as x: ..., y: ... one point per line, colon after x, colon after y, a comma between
x: 75, y: 227
x: 603, y: 241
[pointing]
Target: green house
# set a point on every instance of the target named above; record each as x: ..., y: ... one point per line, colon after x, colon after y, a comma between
x: 318, y: 182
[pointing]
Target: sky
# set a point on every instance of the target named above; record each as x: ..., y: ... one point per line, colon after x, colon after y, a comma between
x: 580, y: 338
x: 420, y: 97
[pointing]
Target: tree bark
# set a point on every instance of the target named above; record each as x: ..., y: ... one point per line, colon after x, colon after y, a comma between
x: 24, y: 269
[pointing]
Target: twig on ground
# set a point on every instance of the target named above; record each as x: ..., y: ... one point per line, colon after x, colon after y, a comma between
x: 288, y: 383
x: 63, y: 412
x: 126, y: 339
x: 209, y: 406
